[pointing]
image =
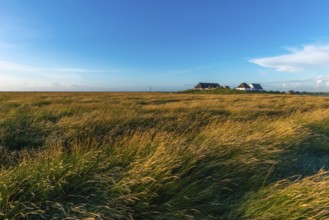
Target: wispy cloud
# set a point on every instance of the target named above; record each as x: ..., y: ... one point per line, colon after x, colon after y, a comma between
x: 316, y: 84
x: 13, y: 66
x: 299, y: 59
x: 81, y: 70
x: 16, y: 76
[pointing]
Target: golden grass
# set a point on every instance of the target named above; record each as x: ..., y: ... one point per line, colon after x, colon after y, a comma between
x: 163, y: 156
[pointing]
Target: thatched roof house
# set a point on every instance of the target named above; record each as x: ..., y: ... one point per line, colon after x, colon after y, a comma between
x: 244, y: 87
x: 202, y: 86
x: 251, y: 87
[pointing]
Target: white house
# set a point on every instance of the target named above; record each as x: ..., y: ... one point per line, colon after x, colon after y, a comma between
x: 243, y: 87
x: 256, y: 87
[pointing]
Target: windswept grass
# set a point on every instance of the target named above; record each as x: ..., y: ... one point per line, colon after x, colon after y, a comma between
x: 301, y: 199
x: 163, y: 156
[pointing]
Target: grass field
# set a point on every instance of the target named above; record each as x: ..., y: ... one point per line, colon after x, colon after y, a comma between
x: 163, y: 156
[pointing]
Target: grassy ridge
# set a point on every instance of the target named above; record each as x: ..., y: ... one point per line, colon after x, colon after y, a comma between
x: 218, y: 91
x: 163, y: 156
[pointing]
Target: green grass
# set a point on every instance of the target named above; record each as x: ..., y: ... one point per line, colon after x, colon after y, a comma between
x: 220, y: 91
x: 163, y: 156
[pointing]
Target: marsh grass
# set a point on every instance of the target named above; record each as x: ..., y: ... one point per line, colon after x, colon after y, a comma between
x: 300, y: 199
x: 163, y: 156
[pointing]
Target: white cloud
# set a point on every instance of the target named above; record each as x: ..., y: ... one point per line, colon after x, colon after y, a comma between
x: 318, y: 83
x: 299, y: 59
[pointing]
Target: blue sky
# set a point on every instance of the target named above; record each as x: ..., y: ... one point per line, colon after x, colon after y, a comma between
x: 130, y: 45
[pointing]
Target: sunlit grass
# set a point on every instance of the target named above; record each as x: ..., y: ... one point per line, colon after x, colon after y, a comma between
x: 163, y: 156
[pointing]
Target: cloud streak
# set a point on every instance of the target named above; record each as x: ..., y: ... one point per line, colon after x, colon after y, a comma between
x: 299, y: 59
x: 12, y: 66
x: 16, y: 76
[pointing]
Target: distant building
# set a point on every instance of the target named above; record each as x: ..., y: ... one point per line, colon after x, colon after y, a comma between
x: 256, y: 87
x: 243, y: 87
x: 202, y: 86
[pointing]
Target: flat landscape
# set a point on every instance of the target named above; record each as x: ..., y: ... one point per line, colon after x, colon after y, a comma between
x: 163, y: 156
